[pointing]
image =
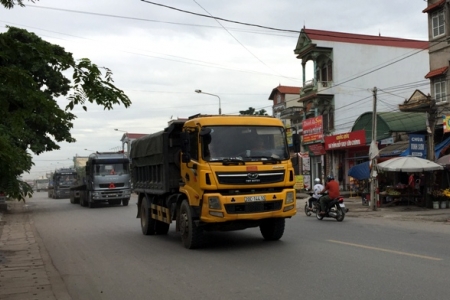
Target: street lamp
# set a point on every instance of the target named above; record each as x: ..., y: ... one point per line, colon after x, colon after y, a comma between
x: 89, y: 150
x: 120, y: 130
x: 200, y: 92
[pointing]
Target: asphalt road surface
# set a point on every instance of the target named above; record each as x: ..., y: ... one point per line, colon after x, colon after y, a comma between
x: 102, y: 254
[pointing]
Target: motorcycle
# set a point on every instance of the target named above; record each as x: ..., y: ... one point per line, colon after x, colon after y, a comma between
x: 315, y: 206
x: 335, y: 209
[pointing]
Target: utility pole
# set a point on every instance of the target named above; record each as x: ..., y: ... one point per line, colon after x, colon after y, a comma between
x: 373, y: 153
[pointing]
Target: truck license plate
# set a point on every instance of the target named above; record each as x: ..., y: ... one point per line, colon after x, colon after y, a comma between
x: 255, y: 198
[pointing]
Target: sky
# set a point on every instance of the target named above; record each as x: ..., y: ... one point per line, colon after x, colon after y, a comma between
x: 160, y: 52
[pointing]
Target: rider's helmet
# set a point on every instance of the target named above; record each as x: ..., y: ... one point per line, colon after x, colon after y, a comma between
x: 330, y: 177
x: 317, y: 180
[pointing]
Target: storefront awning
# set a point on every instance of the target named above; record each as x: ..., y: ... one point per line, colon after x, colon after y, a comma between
x: 395, y: 149
x: 441, y: 146
x: 360, y: 171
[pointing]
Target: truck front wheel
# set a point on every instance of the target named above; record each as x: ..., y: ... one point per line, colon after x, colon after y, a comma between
x: 272, y: 229
x: 125, y: 202
x: 191, y: 234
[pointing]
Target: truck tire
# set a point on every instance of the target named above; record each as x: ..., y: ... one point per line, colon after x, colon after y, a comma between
x: 272, y: 229
x: 83, y: 200
x: 147, y: 223
x: 72, y: 198
x: 125, y: 202
x: 90, y: 203
x: 191, y: 234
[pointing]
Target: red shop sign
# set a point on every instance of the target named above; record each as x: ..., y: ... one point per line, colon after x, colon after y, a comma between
x: 346, y: 140
x: 317, y: 149
x: 312, y: 130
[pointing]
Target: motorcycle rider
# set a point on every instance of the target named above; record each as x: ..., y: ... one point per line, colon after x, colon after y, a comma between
x: 318, y: 187
x: 332, y: 187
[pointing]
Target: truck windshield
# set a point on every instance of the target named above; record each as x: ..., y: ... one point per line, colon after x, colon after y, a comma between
x: 111, y: 169
x: 65, y: 179
x: 247, y: 143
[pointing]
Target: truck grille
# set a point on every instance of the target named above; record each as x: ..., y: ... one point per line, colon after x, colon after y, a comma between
x: 250, y: 177
x: 252, y: 207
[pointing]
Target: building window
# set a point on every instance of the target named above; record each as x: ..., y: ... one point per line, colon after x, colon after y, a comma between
x: 437, y: 20
x: 324, y: 73
x: 440, y: 90
x: 328, y: 121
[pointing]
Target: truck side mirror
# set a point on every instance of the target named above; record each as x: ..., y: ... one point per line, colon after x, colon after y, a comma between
x: 296, y: 142
x: 185, y: 147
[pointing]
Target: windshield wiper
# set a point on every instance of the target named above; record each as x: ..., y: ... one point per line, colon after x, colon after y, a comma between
x: 233, y: 161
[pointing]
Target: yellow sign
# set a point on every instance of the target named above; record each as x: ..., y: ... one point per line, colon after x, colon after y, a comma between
x: 446, y: 123
x: 299, y: 184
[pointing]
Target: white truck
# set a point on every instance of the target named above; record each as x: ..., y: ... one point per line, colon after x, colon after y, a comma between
x: 105, y: 178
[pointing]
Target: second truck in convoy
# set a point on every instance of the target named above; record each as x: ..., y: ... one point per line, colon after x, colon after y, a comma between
x: 105, y: 178
x: 215, y: 173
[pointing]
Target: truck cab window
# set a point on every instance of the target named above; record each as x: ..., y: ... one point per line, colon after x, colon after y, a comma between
x: 193, y: 136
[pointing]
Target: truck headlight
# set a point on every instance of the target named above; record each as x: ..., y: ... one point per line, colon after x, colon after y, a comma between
x: 289, y: 197
x: 214, y: 202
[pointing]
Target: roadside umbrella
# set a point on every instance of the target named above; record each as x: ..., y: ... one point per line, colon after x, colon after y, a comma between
x: 444, y: 160
x: 360, y: 171
x: 408, y: 164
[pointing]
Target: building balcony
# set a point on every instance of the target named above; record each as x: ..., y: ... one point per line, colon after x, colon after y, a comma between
x: 279, y: 107
x: 292, y: 112
x: 312, y: 86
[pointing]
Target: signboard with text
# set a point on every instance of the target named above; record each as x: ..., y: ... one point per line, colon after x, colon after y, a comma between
x: 346, y: 140
x: 312, y: 130
x: 417, y: 145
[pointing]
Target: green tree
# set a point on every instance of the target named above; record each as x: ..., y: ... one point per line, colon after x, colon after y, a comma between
x: 252, y: 111
x: 32, y: 77
x: 11, y: 3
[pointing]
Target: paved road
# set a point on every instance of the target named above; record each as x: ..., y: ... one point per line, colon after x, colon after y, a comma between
x: 101, y: 254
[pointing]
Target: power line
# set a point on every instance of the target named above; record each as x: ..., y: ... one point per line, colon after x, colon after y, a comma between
x: 248, y: 50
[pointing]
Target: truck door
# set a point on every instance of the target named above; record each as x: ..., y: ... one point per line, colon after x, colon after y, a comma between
x: 189, y: 170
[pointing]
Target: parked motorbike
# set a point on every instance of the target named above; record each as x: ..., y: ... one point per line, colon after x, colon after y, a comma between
x: 335, y: 209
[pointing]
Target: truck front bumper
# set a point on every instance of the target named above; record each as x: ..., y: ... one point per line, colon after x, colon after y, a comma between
x: 220, y: 208
x: 103, y: 196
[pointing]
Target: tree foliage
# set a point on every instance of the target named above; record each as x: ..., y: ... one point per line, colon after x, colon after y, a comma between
x: 32, y: 77
x: 252, y: 111
x: 11, y: 3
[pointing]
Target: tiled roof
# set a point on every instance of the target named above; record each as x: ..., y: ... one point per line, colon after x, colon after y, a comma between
x: 333, y: 36
x: 433, y: 6
x: 136, y: 135
x: 289, y: 89
x: 282, y: 89
x: 436, y: 72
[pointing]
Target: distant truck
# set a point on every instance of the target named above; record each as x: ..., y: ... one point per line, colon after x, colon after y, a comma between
x: 105, y: 178
x: 41, y: 184
x: 60, y: 183
x: 215, y: 173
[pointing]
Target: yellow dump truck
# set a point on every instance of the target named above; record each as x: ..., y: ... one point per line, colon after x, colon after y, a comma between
x: 215, y: 173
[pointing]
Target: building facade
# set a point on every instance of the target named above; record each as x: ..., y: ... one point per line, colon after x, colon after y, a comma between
x: 340, y: 71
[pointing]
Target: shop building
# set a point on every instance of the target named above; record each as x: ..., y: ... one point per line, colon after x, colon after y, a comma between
x: 339, y: 72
